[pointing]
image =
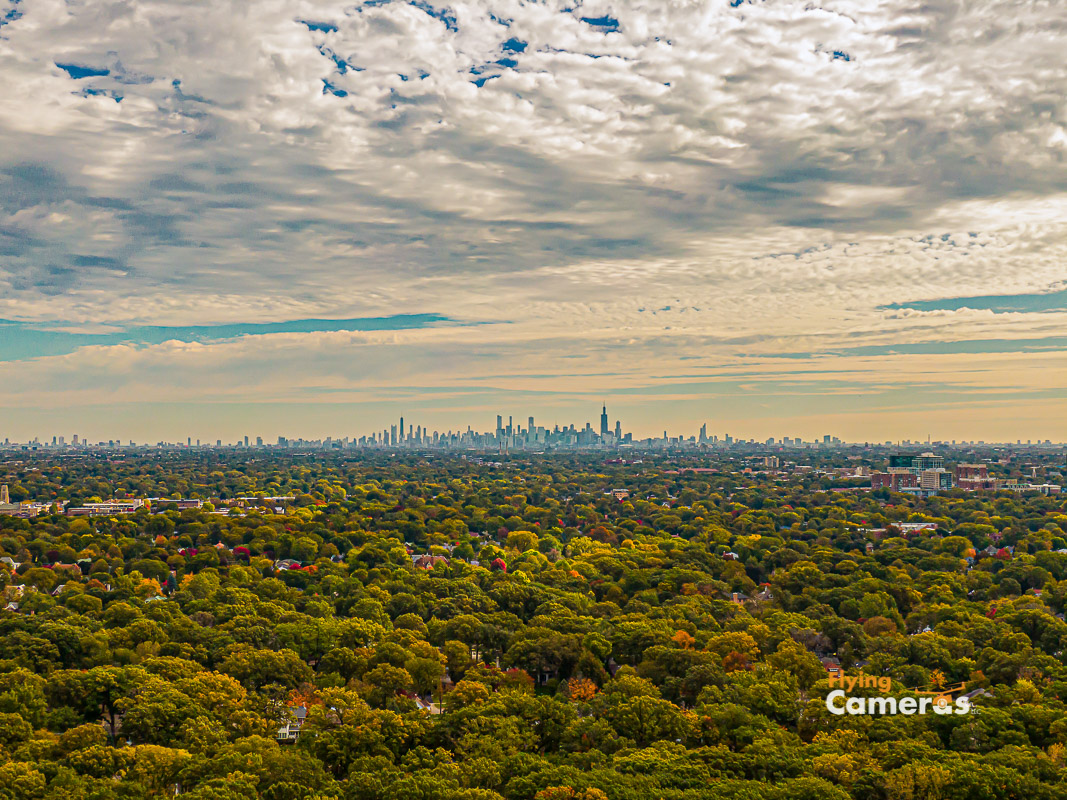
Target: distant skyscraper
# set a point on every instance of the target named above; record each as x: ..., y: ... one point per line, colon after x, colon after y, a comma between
x: 604, y: 421
x: 618, y: 430
x: 499, y: 426
x: 401, y: 429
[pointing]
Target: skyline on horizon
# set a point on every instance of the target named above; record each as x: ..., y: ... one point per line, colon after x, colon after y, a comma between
x: 704, y: 432
x: 294, y: 218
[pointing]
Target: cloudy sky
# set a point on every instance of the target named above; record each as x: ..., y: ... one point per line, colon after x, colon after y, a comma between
x: 304, y: 217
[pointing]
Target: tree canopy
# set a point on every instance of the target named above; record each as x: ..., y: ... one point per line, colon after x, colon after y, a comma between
x: 446, y: 628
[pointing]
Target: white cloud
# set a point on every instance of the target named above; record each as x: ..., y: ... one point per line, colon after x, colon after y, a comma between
x: 774, y: 172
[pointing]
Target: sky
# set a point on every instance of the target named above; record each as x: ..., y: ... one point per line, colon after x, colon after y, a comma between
x: 306, y: 218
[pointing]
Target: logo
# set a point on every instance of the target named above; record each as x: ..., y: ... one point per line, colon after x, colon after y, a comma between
x: 840, y: 701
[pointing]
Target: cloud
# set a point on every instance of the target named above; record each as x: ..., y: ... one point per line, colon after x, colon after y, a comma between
x: 657, y: 180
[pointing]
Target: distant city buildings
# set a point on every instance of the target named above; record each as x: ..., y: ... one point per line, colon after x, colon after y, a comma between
x: 21, y: 510
x: 836, y: 467
x: 925, y: 475
x: 974, y: 477
x: 105, y: 509
x: 925, y: 472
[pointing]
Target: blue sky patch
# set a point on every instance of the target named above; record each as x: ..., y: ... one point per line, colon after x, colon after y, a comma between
x: 322, y: 27
x: 12, y: 14
x: 24, y: 340
x: 606, y: 24
x: 997, y: 303
x: 329, y: 88
x: 79, y: 71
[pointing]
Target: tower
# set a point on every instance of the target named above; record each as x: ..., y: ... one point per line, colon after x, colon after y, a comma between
x: 401, y: 429
x: 5, y: 498
x: 604, y: 421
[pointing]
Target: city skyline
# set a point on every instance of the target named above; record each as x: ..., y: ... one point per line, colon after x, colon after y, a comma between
x: 511, y: 435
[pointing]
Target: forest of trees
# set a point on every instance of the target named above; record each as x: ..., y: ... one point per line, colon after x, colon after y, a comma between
x: 462, y: 631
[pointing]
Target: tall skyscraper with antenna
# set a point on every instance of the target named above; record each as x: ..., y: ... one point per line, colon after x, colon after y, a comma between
x: 604, y: 422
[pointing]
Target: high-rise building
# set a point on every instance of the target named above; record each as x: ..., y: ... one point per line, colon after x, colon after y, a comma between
x: 895, y: 479
x: 604, y: 421
x: 939, y: 478
x: 401, y: 429
x: 618, y: 430
x: 917, y: 463
x: 928, y: 461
